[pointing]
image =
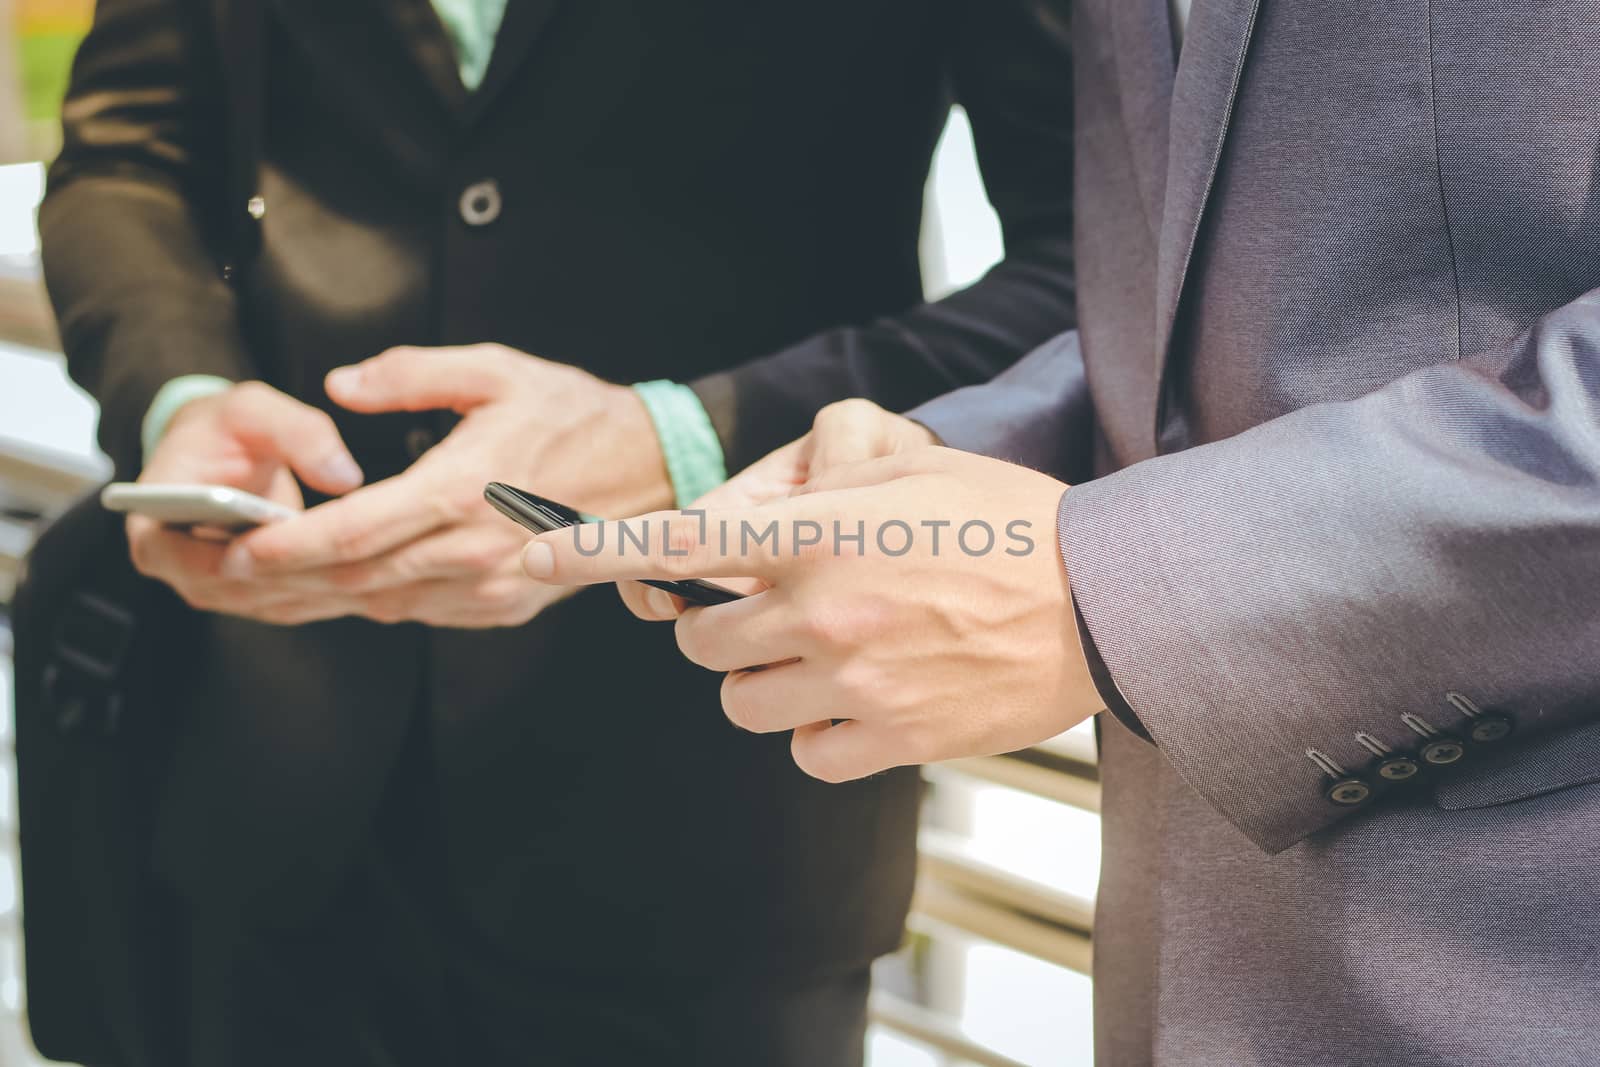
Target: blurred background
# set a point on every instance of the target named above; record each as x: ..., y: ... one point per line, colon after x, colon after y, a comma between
x: 994, y: 967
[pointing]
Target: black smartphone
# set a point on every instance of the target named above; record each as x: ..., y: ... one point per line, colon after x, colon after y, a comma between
x: 542, y: 516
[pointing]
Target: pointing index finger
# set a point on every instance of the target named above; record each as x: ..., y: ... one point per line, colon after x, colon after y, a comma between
x: 374, y: 519
x: 751, y: 542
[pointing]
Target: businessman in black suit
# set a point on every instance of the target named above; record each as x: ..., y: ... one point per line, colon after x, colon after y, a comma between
x: 397, y: 824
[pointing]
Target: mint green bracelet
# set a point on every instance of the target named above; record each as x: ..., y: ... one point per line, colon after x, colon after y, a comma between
x: 172, y: 396
x: 689, y: 442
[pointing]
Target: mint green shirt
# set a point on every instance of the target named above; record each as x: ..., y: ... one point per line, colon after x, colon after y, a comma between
x: 472, y: 26
x: 689, y: 443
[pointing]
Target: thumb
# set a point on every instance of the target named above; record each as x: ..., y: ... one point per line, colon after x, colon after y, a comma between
x: 422, y: 379
x: 272, y: 424
x: 850, y: 431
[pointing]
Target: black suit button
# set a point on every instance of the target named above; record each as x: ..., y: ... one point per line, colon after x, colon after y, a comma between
x: 1490, y: 728
x: 1349, y: 791
x: 418, y: 440
x: 1398, y: 768
x: 1443, y: 752
x: 480, y: 203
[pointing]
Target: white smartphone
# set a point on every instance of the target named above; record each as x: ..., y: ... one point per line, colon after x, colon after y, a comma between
x: 194, y: 505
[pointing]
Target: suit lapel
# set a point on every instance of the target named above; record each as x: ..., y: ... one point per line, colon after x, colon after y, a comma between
x: 363, y: 52
x: 331, y: 29
x: 524, y: 21
x: 424, y: 37
x: 1141, y: 40
x: 1203, y: 94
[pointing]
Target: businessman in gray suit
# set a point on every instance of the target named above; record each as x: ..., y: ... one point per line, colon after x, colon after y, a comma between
x: 1331, y: 558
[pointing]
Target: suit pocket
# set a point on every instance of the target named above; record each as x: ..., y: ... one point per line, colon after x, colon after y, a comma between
x: 1552, y: 762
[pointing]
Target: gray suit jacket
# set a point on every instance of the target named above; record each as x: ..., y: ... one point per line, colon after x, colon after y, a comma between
x: 1340, y: 338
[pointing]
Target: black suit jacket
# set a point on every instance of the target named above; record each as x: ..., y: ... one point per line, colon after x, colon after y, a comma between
x: 690, y: 191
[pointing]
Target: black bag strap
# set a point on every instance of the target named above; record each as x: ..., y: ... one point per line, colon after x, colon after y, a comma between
x: 244, y: 56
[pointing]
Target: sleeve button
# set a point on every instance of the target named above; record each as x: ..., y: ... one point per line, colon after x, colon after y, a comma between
x: 1398, y: 768
x: 1349, y: 791
x: 1490, y: 728
x: 1443, y: 751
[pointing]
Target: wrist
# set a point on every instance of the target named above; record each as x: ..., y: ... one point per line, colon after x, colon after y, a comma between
x: 1087, y: 668
x: 177, y: 397
x: 644, y: 482
x: 1081, y: 688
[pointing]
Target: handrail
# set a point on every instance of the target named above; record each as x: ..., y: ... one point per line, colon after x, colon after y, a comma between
x: 948, y: 859
x: 933, y: 1030
x: 44, y: 478
x: 1022, y: 772
x: 35, y: 483
x: 937, y: 906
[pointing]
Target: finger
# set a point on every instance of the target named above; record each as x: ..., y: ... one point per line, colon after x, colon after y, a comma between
x: 848, y: 431
x: 844, y: 751
x: 270, y: 423
x: 450, y: 555
x: 771, y: 700
x: 649, y: 603
x: 296, y: 611
x: 161, y: 552
x: 670, y: 545
x: 772, y: 477
x: 423, y: 379
x: 752, y: 632
x: 499, y: 600
x: 360, y: 526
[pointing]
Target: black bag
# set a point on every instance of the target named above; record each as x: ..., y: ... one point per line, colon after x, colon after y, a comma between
x: 96, y: 654
x: 99, y: 665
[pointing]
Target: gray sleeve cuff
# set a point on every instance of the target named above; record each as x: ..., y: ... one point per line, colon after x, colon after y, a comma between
x: 1037, y: 413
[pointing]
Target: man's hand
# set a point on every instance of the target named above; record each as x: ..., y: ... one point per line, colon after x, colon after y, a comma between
x: 945, y: 630
x: 254, y: 438
x: 847, y: 431
x: 424, y: 546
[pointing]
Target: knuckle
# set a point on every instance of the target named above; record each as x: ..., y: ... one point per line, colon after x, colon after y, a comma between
x: 351, y: 578
x: 916, y: 741
x: 496, y: 356
x: 684, y: 553
x: 282, y: 615
x: 319, y: 423
x: 841, y: 411
x: 487, y: 557
x: 390, y: 356
x: 859, y: 681
x: 349, y: 541
x: 448, y: 505
x: 826, y: 624
x: 816, y: 627
x: 385, y: 609
x: 200, y: 597
x: 816, y: 760
x: 266, y: 550
x: 247, y: 397
x: 691, y: 641
x: 139, y: 552
x: 737, y: 705
x: 504, y: 599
